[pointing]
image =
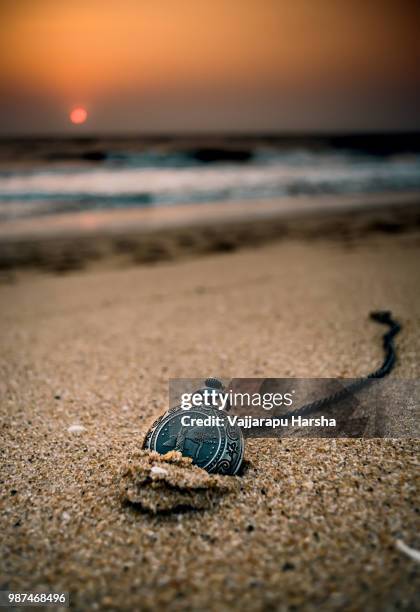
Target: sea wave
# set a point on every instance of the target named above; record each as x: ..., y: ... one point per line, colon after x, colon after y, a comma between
x: 157, y: 178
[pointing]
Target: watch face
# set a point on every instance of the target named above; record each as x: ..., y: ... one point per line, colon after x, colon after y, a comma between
x: 202, y: 433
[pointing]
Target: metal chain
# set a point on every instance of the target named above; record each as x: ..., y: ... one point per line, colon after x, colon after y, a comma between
x: 381, y: 316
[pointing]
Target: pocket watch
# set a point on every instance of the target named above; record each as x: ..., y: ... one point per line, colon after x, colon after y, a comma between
x: 217, y: 448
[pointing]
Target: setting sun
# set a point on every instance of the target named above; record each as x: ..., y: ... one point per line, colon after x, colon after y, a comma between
x: 78, y: 115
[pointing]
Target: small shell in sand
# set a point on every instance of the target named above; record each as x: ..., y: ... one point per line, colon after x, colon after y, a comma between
x: 76, y: 429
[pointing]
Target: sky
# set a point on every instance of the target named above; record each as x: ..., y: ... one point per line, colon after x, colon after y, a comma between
x: 177, y: 66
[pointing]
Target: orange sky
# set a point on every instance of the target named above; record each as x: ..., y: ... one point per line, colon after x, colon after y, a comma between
x: 171, y: 65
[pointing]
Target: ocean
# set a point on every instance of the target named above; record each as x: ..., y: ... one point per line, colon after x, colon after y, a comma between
x: 49, y: 176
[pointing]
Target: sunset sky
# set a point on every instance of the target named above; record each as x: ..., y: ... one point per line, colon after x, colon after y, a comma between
x: 142, y: 66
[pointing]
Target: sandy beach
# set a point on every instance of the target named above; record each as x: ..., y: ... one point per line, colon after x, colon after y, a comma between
x: 86, y: 358
x: 222, y: 200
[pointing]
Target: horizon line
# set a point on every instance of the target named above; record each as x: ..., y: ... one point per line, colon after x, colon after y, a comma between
x: 211, y: 134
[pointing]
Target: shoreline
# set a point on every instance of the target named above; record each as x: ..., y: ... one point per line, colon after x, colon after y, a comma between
x: 63, y: 243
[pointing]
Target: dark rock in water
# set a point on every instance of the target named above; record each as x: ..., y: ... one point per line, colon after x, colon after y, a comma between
x: 380, y: 145
x: 211, y: 155
x: 94, y: 156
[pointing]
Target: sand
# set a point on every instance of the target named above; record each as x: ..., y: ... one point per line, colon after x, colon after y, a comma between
x: 68, y: 242
x: 85, y: 360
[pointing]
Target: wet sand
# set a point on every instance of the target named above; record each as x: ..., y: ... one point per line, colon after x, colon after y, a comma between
x: 117, y: 238
x: 86, y: 356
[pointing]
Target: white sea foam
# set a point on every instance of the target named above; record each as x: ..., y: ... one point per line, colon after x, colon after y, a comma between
x: 77, y: 187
